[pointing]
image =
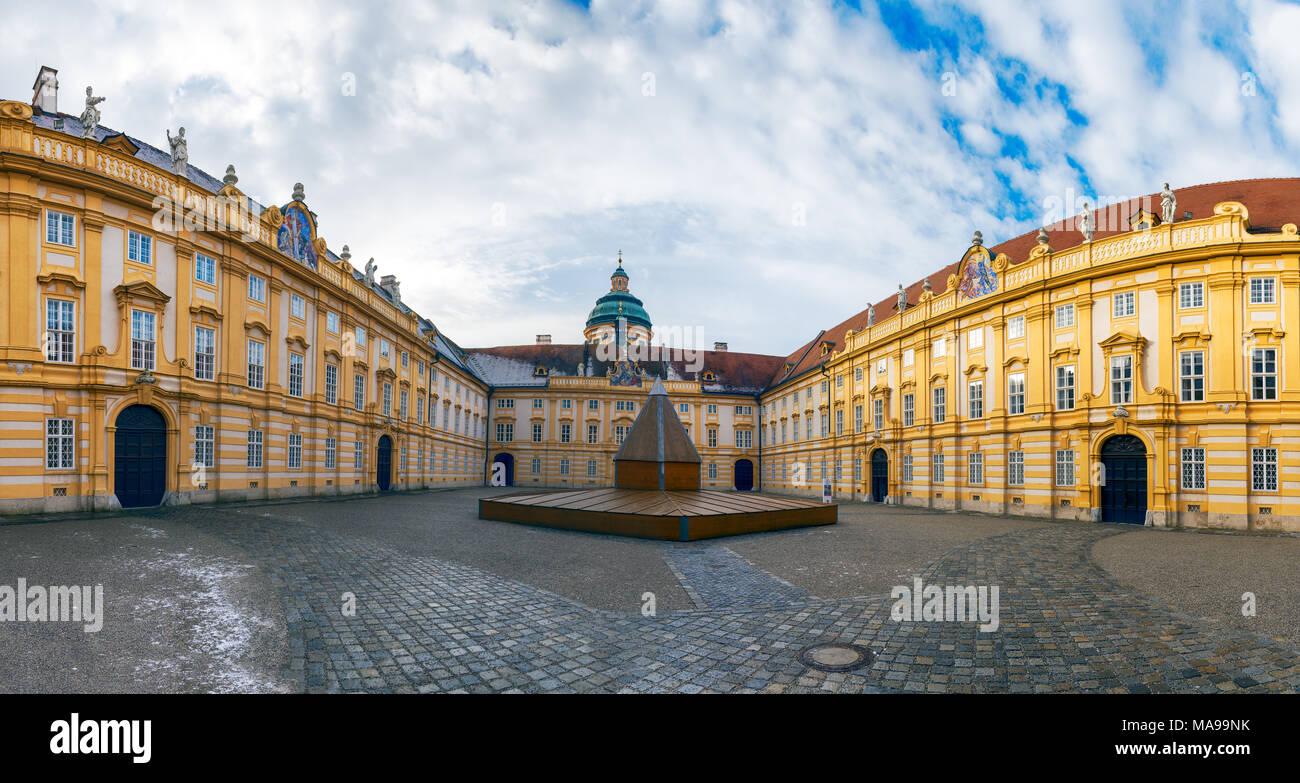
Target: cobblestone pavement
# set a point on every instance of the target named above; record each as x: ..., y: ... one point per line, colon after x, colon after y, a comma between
x: 424, y: 624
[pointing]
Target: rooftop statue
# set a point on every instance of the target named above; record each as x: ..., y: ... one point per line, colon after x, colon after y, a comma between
x: 90, y: 115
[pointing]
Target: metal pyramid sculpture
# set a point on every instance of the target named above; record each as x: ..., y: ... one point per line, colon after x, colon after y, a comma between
x: 657, y: 453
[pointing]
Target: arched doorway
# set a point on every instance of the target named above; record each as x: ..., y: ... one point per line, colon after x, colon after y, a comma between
x: 879, y: 475
x: 743, y: 471
x: 507, y: 461
x: 1124, y: 485
x: 384, y: 463
x: 140, y: 457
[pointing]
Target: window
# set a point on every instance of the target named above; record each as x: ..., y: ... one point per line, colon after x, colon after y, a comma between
x: 205, y: 269
x: 593, y: 405
x: 940, y: 348
x: 1261, y: 290
x: 711, y: 409
x: 857, y: 377
x: 1263, y: 470
x: 254, y: 449
x: 711, y: 435
x: 744, y: 438
x: 878, y: 413
x: 975, y: 339
x: 1124, y: 304
x: 139, y: 247
x: 566, y: 433
x: 406, y: 359
x: 60, y: 445
x: 809, y: 428
x: 205, y: 353
x: 387, y: 399
x: 256, y: 288
x: 402, y: 398
x: 360, y: 336
x: 59, y: 228
x: 295, y: 375
x: 975, y: 465
x: 1016, y: 393
x: 60, y: 330
x: 295, y: 450
x: 537, y: 404
x: 1065, y: 388
x: 1191, y: 295
x: 297, y: 306
x: 203, y: 443
x: 593, y: 433
x: 936, y: 468
x: 332, y: 322
x: 713, y: 470
x: 620, y: 432
x: 826, y: 388
x: 535, y: 466
x: 358, y: 454
x: 1121, y: 380
x: 358, y: 391
x: 331, y: 451
x: 909, y: 409
x: 683, y: 408
x: 857, y: 468
x: 505, y: 404
x: 332, y: 384
x: 1193, y: 468
x: 977, y: 400
x: 419, y: 409
x: 1191, y: 373
x: 1065, y: 316
x: 857, y: 418
x: 1065, y: 467
x: 907, y: 468
x: 564, y: 466
x: 1016, y: 468
x: 1016, y: 327
x: 384, y: 349
x: 537, y: 433
x: 839, y: 381
x: 505, y: 432
x: 591, y: 467
x: 839, y: 422
x: 1263, y: 374
x: 826, y: 424
x: 940, y: 404
x: 142, y: 339
x: 909, y: 357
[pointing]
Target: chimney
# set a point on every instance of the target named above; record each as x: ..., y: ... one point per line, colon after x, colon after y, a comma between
x: 543, y: 339
x: 389, y: 283
x: 45, y: 90
x: 720, y: 347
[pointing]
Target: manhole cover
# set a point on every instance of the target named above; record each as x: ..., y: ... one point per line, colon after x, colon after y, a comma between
x: 836, y: 657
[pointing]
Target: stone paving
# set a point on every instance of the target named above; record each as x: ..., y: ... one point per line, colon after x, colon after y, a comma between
x: 424, y: 624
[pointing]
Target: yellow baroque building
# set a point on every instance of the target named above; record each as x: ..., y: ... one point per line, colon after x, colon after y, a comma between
x: 168, y: 340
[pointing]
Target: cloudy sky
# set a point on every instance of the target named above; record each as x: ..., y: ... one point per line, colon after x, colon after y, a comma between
x: 767, y: 168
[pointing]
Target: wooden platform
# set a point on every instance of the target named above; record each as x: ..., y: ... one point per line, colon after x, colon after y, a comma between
x: 669, y: 515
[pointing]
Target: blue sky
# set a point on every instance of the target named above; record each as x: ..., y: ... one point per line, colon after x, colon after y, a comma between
x: 767, y: 168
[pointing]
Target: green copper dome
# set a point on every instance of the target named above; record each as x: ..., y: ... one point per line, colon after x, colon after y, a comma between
x: 619, y: 302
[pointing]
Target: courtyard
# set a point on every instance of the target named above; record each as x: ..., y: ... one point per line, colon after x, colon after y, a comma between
x: 411, y: 592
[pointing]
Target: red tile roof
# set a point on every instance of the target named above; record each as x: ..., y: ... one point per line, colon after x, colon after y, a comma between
x: 1270, y: 203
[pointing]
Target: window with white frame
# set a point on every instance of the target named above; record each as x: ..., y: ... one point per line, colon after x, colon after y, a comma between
x: 297, y: 307
x: 60, y: 444
x: 254, y: 449
x: 359, y: 340
x: 940, y: 404
x: 358, y: 391
x: 406, y: 359
x: 385, y: 347
x: 537, y: 432
x: 331, y: 453
x: 1263, y: 374
x: 591, y: 467
x: 713, y: 470
x: 205, y: 353
x: 975, y: 467
x: 1191, y: 375
x: 1262, y: 290
x: 1065, y: 467
x: 295, y: 374
x: 143, y: 336
x: 857, y: 378
x: 387, y: 399
x: 564, y: 466
x: 295, y: 450
x: 744, y: 438
x: 403, y: 397
x: 205, y: 269
x: 204, y: 456
x: 419, y: 409
x: 358, y: 454
x: 256, y: 288
x: 975, y: 339
x: 1015, y: 468
x: 505, y: 432
x: 1015, y: 393
x: 1263, y: 469
x: 566, y: 433
x: 60, y: 330
x: 839, y: 422
x: 535, y: 466
x: 977, y: 400
x: 939, y: 348
x: 256, y: 364
x: 711, y: 437
x: 593, y: 433
x: 936, y: 468
x: 1065, y: 387
x: 909, y: 409
x: 1193, y: 461
x: 620, y: 432
x: 332, y: 322
x: 60, y: 228
x: 909, y: 357
x: 857, y: 418
x: 1191, y: 295
x: 331, y: 383
x: 1124, y: 304
x: 907, y: 468
x: 1121, y: 380
x: 839, y: 381
x: 878, y: 413
x: 139, y: 247
x: 1016, y: 327
x: 1064, y: 316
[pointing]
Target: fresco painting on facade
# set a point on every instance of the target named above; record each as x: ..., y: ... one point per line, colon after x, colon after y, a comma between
x: 279, y: 368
